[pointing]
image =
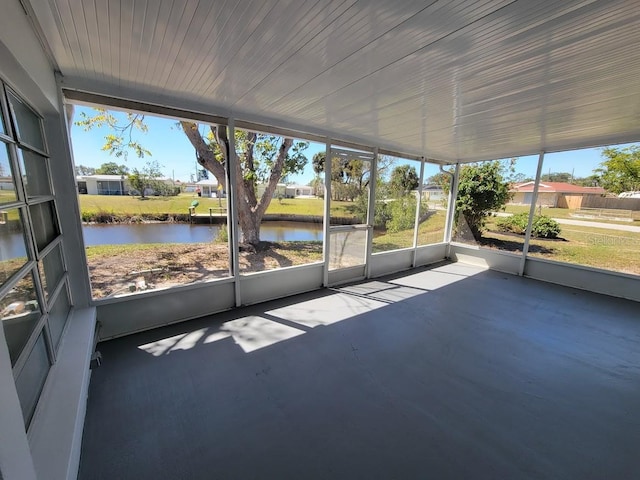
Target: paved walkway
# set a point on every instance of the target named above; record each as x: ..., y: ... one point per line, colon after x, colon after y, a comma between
x: 586, y: 223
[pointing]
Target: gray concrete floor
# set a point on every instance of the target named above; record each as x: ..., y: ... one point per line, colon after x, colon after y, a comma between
x: 449, y: 372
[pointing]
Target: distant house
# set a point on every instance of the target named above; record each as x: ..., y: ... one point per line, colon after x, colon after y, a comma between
x: 209, y: 188
x: 554, y: 194
x: 433, y: 193
x: 292, y: 191
x: 6, y: 183
x: 629, y: 195
x: 280, y: 191
x: 103, y: 184
x: 111, y: 185
x: 286, y: 191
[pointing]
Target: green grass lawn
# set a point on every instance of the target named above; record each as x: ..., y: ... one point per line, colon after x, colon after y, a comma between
x: 596, y: 247
x: 310, y: 206
x: 7, y: 196
x: 430, y: 231
x: 128, y: 205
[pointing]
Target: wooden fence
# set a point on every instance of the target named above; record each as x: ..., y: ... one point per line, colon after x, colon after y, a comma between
x: 572, y: 201
x: 590, y: 201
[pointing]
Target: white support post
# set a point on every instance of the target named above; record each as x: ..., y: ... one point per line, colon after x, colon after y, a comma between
x: 326, y: 221
x: 453, y: 195
x: 417, y: 220
x: 532, y: 211
x: 371, y: 210
x: 77, y: 264
x: 232, y: 207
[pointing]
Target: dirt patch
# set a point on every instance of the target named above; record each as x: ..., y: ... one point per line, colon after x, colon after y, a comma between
x: 170, y: 265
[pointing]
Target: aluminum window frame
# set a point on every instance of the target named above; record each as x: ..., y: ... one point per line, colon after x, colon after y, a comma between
x: 34, y: 261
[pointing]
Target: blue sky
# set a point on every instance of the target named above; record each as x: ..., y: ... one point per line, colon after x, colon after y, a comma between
x: 170, y: 147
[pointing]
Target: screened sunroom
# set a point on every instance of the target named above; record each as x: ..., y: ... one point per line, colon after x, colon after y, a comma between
x: 415, y: 350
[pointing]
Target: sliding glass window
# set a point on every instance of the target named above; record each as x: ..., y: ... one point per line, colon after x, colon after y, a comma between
x: 34, y: 298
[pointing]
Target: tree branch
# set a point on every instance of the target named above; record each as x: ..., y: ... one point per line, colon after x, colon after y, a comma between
x: 204, y: 153
x: 276, y: 174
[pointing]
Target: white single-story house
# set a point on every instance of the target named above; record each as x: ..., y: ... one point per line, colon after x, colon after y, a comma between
x: 433, y: 193
x: 208, y: 187
x: 292, y: 191
x: 280, y: 191
x: 103, y: 184
x: 112, y: 185
x: 287, y: 191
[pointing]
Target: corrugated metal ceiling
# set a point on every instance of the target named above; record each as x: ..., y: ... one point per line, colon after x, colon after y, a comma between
x: 459, y: 79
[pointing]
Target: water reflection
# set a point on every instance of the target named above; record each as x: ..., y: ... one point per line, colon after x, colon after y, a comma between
x: 185, y: 233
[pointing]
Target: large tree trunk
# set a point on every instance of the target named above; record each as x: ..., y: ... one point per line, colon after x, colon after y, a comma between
x: 249, y: 225
x: 250, y: 209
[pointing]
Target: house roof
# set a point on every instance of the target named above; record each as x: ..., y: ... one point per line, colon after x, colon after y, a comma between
x: 208, y: 181
x: 557, y: 187
x: 453, y: 81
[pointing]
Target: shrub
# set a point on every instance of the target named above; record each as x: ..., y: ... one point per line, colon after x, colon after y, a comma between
x: 545, y: 227
x: 381, y: 214
x: 223, y: 234
x: 482, y: 189
x: 542, y: 227
x: 403, y: 214
x: 515, y: 223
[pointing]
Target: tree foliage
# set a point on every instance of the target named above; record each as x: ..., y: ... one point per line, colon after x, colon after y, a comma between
x: 84, y: 170
x: 403, y: 179
x: 119, y: 139
x: 112, y: 168
x: 482, y: 189
x: 441, y: 179
x: 402, y: 214
x: 146, y: 178
x: 350, y: 177
x: 620, y: 170
x: 564, y: 177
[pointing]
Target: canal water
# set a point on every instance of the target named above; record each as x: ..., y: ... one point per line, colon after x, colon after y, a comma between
x: 185, y: 233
